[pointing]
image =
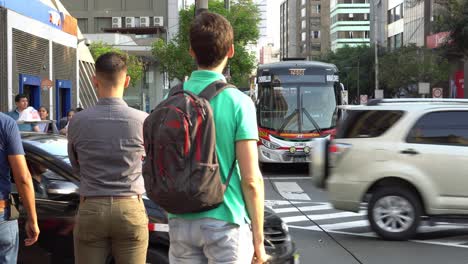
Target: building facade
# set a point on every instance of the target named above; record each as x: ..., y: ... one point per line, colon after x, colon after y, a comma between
x: 350, y: 23
x: 132, y: 26
x: 41, y: 54
x: 288, y: 29
x: 305, y: 28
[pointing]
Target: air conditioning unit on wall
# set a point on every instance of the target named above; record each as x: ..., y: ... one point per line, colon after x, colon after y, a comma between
x: 144, y: 21
x: 116, y: 22
x: 130, y: 22
x: 158, y: 21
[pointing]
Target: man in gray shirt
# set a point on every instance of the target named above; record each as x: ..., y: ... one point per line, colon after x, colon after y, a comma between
x: 105, y: 146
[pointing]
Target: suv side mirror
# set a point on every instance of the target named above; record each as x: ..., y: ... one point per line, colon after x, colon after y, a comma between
x: 62, y: 188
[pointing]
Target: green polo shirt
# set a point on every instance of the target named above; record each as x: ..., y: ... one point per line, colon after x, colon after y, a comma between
x: 235, y: 120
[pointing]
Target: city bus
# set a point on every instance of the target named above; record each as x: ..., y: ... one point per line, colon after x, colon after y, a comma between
x: 296, y: 103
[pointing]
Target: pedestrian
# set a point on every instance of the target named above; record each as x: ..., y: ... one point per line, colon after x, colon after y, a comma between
x: 48, y: 127
x: 105, y: 146
x: 64, y: 130
x: 22, y: 103
x: 12, y: 157
x: 233, y: 231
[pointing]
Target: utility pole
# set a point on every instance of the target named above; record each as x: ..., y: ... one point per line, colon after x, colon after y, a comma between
x: 201, y: 6
x: 227, y: 4
x: 358, y: 79
x: 376, y: 46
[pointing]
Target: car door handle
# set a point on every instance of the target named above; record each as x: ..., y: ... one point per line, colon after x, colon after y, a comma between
x: 409, y: 152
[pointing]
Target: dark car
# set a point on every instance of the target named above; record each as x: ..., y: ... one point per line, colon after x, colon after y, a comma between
x: 57, y: 200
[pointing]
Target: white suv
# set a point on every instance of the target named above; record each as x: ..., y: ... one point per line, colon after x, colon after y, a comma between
x: 407, y: 158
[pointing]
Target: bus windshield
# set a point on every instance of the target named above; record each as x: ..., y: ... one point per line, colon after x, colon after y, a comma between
x: 297, y: 108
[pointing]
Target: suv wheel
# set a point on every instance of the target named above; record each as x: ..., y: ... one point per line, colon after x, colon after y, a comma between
x: 394, y: 213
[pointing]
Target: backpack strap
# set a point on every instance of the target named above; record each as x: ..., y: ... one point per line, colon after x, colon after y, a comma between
x: 176, y: 89
x: 215, y: 88
x: 231, y: 171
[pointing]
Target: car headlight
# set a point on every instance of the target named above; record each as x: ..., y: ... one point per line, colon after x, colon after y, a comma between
x: 270, y: 144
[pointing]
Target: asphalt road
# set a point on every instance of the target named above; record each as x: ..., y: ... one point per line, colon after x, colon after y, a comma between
x: 442, y: 244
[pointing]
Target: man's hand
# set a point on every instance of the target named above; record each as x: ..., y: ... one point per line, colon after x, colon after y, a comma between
x: 260, y: 256
x: 32, y: 231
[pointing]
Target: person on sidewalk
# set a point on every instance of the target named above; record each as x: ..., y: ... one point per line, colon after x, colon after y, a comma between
x: 12, y: 158
x: 105, y: 146
x: 232, y: 232
x: 22, y: 103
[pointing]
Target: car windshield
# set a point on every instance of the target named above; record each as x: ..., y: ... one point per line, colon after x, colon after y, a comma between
x: 290, y: 106
x: 55, y: 146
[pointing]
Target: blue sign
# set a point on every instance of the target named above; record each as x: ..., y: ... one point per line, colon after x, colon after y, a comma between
x: 36, y: 9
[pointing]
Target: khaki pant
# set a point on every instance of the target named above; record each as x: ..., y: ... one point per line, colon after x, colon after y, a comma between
x: 107, y: 226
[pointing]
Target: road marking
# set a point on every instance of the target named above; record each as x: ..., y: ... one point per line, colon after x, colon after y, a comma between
x: 329, y: 227
x: 287, y: 178
x: 291, y: 191
x: 270, y: 203
x: 303, y: 208
x: 301, y: 218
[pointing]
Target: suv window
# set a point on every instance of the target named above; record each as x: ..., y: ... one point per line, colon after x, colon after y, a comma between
x: 447, y: 128
x: 367, y: 123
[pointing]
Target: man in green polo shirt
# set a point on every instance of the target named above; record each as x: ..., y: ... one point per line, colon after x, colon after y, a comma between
x: 233, y: 232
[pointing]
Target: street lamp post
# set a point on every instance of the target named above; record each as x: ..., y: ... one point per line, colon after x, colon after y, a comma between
x: 376, y: 52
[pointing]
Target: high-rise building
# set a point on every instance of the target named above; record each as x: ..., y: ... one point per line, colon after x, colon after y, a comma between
x: 350, y: 23
x: 132, y: 26
x: 305, y: 28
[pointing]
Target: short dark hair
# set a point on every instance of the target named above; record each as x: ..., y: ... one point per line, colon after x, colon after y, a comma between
x: 110, y: 64
x: 18, y: 97
x: 211, y: 36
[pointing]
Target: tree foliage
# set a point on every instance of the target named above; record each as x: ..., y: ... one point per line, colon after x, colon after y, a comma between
x: 134, y: 64
x: 354, y: 63
x: 399, y: 69
x: 407, y: 66
x: 174, y: 57
x: 453, y: 17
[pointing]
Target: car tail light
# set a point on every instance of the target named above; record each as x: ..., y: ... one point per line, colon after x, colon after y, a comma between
x: 153, y: 227
x: 336, y: 152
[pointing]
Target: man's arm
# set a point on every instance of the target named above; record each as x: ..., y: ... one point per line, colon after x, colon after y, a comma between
x: 25, y: 188
x: 72, y: 155
x: 254, y: 193
x: 35, y: 128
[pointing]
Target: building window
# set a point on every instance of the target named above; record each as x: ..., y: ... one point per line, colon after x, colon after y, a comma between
x: 315, y: 34
x: 315, y: 21
x: 395, y: 14
x: 303, y: 36
x: 350, y: 34
x: 303, y: 2
x: 303, y: 12
x: 366, y: 34
x: 303, y: 24
x: 315, y: 47
x: 83, y: 25
x: 316, y: 9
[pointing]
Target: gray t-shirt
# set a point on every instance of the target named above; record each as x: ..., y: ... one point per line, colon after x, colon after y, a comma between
x: 105, y: 147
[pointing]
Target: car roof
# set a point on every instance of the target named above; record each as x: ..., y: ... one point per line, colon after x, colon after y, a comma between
x: 296, y: 63
x: 417, y: 104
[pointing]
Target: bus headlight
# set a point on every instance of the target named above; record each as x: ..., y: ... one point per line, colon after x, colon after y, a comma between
x: 270, y: 144
x: 292, y: 150
x: 307, y: 150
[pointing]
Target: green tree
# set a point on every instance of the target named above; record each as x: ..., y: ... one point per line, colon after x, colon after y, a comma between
x: 406, y: 66
x: 175, y: 59
x: 135, y: 65
x: 453, y: 17
x: 356, y: 68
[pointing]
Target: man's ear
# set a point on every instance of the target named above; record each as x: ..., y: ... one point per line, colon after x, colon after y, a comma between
x: 127, y: 81
x: 95, y: 81
x: 231, y: 52
x: 192, y: 53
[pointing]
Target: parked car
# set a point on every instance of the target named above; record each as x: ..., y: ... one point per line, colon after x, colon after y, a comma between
x: 406, y: 158
x: 57, y: 200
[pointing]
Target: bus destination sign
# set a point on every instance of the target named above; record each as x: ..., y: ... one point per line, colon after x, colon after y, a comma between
x: 297, y: 72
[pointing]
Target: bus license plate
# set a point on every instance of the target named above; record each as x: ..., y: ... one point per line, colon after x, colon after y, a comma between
x: 299, y: 159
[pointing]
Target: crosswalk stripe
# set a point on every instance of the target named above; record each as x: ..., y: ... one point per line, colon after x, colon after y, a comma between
x: 277, y: 202
x: 291, y: 191
x: 300, y: 218
x: 457, y: 240
x: 343, y: 225
x: 303, y: 208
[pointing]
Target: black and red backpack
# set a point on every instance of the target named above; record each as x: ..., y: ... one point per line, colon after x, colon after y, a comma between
x: 181, y: 169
